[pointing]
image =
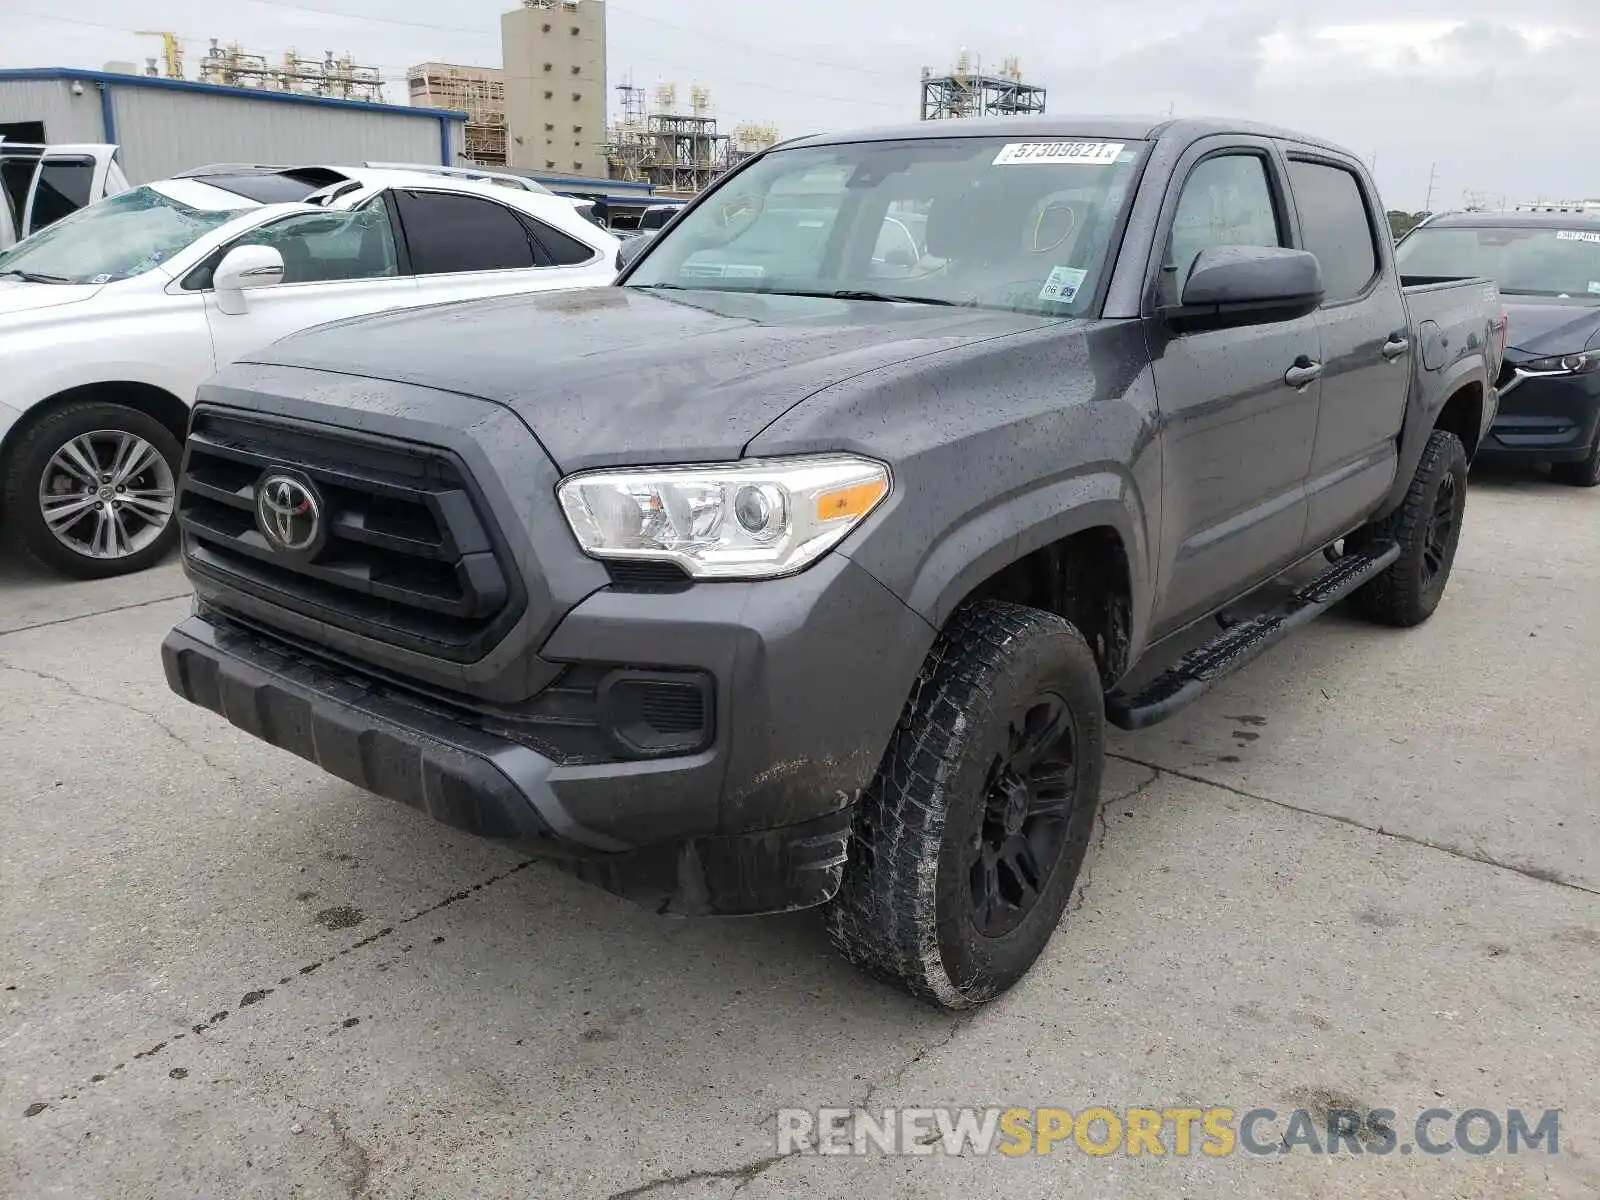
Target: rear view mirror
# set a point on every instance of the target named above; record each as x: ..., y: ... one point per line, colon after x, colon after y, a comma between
x: 242, y: 269
x: 1244, y: 285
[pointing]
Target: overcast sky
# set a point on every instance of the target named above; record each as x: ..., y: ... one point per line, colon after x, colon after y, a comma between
x: 1503, y: 97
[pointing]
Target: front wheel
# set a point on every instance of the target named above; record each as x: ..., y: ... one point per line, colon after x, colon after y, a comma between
x: 1585, y: 473
x: 91, y: 489
x: 968, y: 842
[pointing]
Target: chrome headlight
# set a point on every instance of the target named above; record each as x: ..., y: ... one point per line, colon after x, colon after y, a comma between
x: 1564, y: 364
x: 746, y: 520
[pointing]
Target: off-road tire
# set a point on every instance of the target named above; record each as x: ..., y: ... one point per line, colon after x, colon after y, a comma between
x: 905, y: 910
x: 1407, y: 593
x: 26, y: 461
x: 1584, y: 474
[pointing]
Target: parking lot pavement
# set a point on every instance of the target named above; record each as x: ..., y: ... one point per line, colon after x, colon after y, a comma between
x: 1363, y: 874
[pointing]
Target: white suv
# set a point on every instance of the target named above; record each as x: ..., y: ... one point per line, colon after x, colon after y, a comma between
x: 112, y: 317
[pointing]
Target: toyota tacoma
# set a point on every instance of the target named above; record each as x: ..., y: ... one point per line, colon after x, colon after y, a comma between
x: 807, y: 564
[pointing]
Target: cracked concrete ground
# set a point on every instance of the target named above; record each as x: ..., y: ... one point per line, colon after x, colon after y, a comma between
x: 1368, y: 868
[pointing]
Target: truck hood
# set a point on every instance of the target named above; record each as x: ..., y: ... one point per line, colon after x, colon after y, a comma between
x: 1544, y: 327
x: 613, y: 375
x: 20, y: 296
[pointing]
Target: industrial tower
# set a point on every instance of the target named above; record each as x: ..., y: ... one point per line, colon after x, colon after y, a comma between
x: 966, y: 91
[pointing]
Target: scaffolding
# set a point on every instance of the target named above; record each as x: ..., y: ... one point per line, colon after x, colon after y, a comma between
x: 966, y: 91
x: 339, y: 78
x: 626, y: 150
x: 672, y: 150
x: 480, y: 92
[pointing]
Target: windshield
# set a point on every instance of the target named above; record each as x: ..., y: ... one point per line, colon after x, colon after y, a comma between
x: 972, y: 221
x: 120, y: 237
x: 1527, y: 261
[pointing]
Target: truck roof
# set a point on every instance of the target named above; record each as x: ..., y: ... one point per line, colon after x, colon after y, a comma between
x: 1129, y: 127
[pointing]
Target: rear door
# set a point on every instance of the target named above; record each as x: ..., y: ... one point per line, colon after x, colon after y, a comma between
x: 64, y: 183
x: 336, y: 265
x: 1366, y: 345
x: 1237, y: 437
x: 462, y: 247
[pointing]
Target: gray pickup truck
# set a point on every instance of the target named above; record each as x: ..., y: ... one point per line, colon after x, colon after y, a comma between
x: 807, y: 564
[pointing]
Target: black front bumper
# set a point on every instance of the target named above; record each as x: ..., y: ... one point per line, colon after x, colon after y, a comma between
x: 484, y: 785
x: 1553, y: 418
x: 808, y: 676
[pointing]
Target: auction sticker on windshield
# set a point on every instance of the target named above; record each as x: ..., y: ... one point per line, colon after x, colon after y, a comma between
x: 1100, y: 154
x: 1063, y: 284
x: 1562, y: 235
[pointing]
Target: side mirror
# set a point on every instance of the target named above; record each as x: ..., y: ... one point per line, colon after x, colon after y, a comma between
x: 633, y: 247
x: 244, y: 268
x: 1249, y: 285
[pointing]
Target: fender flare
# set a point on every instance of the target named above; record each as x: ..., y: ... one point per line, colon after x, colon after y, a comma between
x: 1420, y: 421
x: 1016, y: 525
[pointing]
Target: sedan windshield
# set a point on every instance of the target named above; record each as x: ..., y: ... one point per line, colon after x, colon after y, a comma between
x: 123, y: 236
x: 1525, y: 261
x: 981, y: 221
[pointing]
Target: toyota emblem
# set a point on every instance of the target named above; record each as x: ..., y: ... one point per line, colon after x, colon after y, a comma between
x: 289, y: 513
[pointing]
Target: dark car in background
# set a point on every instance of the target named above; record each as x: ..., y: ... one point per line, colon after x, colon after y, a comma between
x: 1548, y: 267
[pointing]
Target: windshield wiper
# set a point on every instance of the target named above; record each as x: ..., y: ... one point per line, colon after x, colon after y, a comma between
x: 35, y: 276
x: 881, y: 297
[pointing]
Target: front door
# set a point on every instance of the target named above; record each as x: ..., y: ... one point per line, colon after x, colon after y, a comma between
x: 1237, y: 437
x: 336, y: 265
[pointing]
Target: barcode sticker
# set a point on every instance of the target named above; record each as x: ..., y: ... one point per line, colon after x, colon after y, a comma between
x: 1063, y: 284
x: 1099, y: 154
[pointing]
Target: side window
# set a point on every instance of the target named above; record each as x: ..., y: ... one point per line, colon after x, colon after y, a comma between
x: 1226, y: 201
x: 448, y: 232
x: 563, y: 249
x: 328, y: 247
x: 1336, y: 226
x: 64, y: 188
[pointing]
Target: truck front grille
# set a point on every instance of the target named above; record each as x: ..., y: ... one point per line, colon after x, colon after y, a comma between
x: 407, y: 555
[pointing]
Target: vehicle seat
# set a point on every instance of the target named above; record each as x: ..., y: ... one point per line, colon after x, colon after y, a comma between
x: 297, y: 265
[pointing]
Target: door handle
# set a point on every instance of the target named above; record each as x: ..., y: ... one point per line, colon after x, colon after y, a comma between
x: 1397, y: 345
x: 1303, y: 372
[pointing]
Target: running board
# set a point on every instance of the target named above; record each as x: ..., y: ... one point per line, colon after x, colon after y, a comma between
x: 1198, y: 670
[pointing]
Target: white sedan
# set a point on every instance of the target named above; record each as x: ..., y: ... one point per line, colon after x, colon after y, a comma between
x: 111, y: 318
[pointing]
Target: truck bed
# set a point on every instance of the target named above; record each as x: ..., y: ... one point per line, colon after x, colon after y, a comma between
x: 1448, y: 314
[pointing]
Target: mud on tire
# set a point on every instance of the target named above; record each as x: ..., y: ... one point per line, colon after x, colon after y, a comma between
x: 1427, y: 526
x: 970, y: 838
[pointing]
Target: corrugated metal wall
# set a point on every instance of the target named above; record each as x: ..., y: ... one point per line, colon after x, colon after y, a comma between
x: 163, y: 132
x: 67, y: 118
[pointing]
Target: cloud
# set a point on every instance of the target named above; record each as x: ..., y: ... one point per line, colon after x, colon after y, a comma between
x: 1500, y: 99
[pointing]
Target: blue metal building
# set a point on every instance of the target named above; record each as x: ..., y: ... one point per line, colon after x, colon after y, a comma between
x: 170, y: 125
